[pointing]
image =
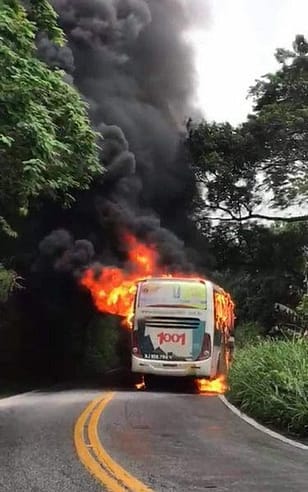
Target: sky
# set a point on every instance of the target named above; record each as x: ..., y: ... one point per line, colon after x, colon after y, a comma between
x: 236, y: 46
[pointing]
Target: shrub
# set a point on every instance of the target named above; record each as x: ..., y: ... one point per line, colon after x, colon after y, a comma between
x: 269, y: 381
x: 248, y: 333
x: 101, y: 352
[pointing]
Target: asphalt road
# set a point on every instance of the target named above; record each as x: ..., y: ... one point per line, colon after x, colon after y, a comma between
x: 36, y: 443
x: 172, y: 442
x: 194, y: 443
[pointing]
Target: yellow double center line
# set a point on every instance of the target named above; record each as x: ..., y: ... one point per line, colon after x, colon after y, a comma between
x: 93, y: 455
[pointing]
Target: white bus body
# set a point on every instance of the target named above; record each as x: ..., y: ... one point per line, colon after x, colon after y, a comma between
x: 175, y: 331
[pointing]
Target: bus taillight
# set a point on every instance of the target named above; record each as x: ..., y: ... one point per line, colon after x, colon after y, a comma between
x: 206, y: 348
x: 135, y: 346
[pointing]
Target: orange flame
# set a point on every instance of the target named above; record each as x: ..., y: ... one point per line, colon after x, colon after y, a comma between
x: 218, y: 385
x: 141, y: 385
x: 113, y: 289
x: 224, y: 310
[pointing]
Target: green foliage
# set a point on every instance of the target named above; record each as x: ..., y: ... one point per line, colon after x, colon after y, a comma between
x: 260, y: 266
x: 103, y: 337
x: 47, y: 147
x: 9, y: 281
x: 255, y: 295
x: 248, y: 334
x: 257, y: 248
x: 281, y: 124
x: 224, y: 159
x: 267, y: 153
x: 269, y: 381
x: 302, y: 308
x: 45, y: 18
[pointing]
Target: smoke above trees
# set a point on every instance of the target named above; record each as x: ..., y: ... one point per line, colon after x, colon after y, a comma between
x: 131, y: 62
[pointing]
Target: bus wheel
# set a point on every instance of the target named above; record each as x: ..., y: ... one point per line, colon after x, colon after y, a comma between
x: 153, y: 382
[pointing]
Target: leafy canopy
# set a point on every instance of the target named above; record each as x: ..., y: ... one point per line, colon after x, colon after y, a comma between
x: 224, y: 163
x: 267, y: 154
x: 47, y: 147
x: 260, y: 266
x: 280, y: 124
x: 9, y: 281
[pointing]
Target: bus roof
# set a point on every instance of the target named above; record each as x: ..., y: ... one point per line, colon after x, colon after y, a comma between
x: 215, y: 287
x: 176, y: 279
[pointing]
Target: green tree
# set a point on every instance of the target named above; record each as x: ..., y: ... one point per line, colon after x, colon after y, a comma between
x: 47, y: 147
x: 280, y: 124
x: 302, y: 309
x: 260, y: 266
x: 224, y: 162
x: 268, y: 153
x: 9, y: 281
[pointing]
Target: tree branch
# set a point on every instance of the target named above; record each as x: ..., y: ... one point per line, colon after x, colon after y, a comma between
x: 298, y: 218
x: 250, y: 216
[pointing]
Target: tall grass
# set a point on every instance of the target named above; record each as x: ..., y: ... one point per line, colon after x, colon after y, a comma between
x: 269, y: 381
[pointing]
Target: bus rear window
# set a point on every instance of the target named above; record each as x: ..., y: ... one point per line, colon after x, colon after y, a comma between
x: 172, y: 294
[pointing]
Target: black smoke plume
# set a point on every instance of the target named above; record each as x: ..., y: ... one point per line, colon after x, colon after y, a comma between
x: 131, y: 62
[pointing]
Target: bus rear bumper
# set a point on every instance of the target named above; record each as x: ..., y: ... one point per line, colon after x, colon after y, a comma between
x: 200, y: 368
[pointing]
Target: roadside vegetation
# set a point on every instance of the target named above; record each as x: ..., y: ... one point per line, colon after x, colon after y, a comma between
x: 269, y: 381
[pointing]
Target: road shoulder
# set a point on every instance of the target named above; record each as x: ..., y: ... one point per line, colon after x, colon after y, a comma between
x: 262, y: 428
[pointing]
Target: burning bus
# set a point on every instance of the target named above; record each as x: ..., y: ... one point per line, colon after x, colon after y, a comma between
x: 181, y: 327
